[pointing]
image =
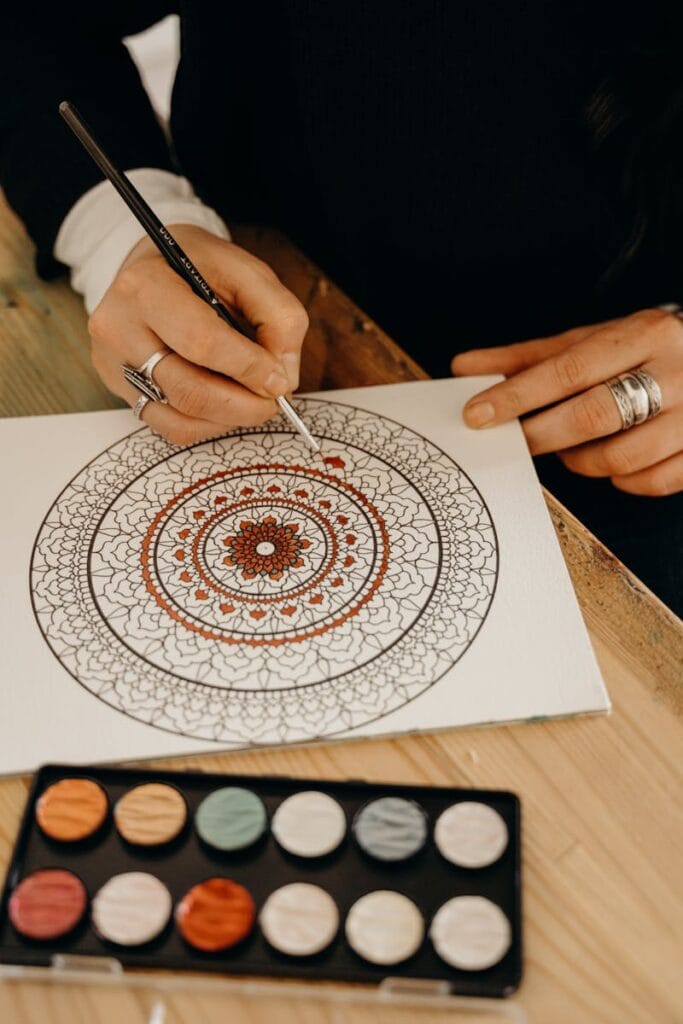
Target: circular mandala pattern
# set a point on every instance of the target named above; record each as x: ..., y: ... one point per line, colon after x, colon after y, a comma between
x: 235, y: 559
x: 238, y: 591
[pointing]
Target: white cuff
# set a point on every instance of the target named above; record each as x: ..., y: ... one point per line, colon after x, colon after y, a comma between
x: 99, y: 231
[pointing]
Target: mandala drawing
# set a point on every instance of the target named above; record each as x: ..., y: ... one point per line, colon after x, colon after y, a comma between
x: 237, y: 590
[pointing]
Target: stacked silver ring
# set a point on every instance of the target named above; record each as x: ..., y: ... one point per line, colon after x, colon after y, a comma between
x: 654, y: 393
x: 637, y: 395
x: 142, y: 401
x: 141, y: 378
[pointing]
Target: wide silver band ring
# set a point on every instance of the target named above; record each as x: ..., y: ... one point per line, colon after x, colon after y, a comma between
x: 637, y: 396
x: 142, y: 401
x: 654, y: 392
x: 149, y: 365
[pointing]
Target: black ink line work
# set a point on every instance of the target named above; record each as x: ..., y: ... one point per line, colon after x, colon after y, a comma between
x: 231, y: 591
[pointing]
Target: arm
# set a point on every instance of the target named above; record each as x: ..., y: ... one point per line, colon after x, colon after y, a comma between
x: 214, y: 378
x: 50, y: 52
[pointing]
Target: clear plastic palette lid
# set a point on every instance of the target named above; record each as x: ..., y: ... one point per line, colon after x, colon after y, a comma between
x: 101, y: 992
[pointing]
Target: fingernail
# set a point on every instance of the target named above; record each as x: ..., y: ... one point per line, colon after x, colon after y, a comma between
x: 276, y: 384
x: 291, y: 361
x: 479, y: 414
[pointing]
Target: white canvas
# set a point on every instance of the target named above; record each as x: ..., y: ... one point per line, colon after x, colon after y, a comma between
x: 401, y: 646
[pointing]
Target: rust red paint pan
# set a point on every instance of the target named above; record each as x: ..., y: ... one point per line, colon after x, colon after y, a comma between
x: 216, y: 915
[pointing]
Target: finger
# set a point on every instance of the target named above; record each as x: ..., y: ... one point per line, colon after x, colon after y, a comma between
x: 164, y: 419
x: 191, y: 328
x: 118, y: 338
x: 664, y: 478
x: 278, y: 317
x: 601, y: 355
x: 176, y: 428
x: 509, y: 359
x: 629, y: 451
x: 591, y: 414
x: 201, y: 394
x: 594, y: 414
x: 191, y: 390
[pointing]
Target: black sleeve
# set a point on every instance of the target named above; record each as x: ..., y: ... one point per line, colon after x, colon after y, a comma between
x: 54, y: 51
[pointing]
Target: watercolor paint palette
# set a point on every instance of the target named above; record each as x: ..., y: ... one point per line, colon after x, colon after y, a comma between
x: 272, y: 876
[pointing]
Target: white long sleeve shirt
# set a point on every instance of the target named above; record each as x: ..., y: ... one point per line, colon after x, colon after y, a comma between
x: 99, y: 231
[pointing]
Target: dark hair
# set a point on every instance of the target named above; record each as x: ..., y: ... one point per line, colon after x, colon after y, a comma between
x: 636, y: 118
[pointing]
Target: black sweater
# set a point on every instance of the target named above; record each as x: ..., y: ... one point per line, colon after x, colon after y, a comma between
x: 432, y: 155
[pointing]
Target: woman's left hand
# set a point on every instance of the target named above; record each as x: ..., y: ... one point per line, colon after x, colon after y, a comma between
x: 584, y: 427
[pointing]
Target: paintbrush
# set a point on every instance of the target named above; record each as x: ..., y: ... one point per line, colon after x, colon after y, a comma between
x: 167, y: 245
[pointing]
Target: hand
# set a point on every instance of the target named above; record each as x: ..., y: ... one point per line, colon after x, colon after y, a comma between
x: 584, y: 427
x: 215, y: 378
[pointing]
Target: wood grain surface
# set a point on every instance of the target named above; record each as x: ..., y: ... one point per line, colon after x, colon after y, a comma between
x: 601, y: 797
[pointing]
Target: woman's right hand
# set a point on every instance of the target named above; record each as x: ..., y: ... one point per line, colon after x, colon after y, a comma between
x: 214, y: 379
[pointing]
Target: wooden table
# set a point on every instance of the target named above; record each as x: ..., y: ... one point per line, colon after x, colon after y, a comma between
x: 602, y: 804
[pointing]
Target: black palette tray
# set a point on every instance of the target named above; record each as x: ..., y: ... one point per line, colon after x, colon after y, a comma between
x: 427, y: 878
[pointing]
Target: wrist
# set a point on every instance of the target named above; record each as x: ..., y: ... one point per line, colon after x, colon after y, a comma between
x: 99, y: 232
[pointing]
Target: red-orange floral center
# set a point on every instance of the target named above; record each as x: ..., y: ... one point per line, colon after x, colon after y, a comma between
x: 266, y: 548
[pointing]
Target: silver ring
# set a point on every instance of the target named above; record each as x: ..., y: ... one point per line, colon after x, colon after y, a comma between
x: 145, y: 385
x: 142, y: 401
x: 623, y: 404
x: 149, y: 365
x: 654, y: 392
x: 637, y: 397
x: 672, y: 307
